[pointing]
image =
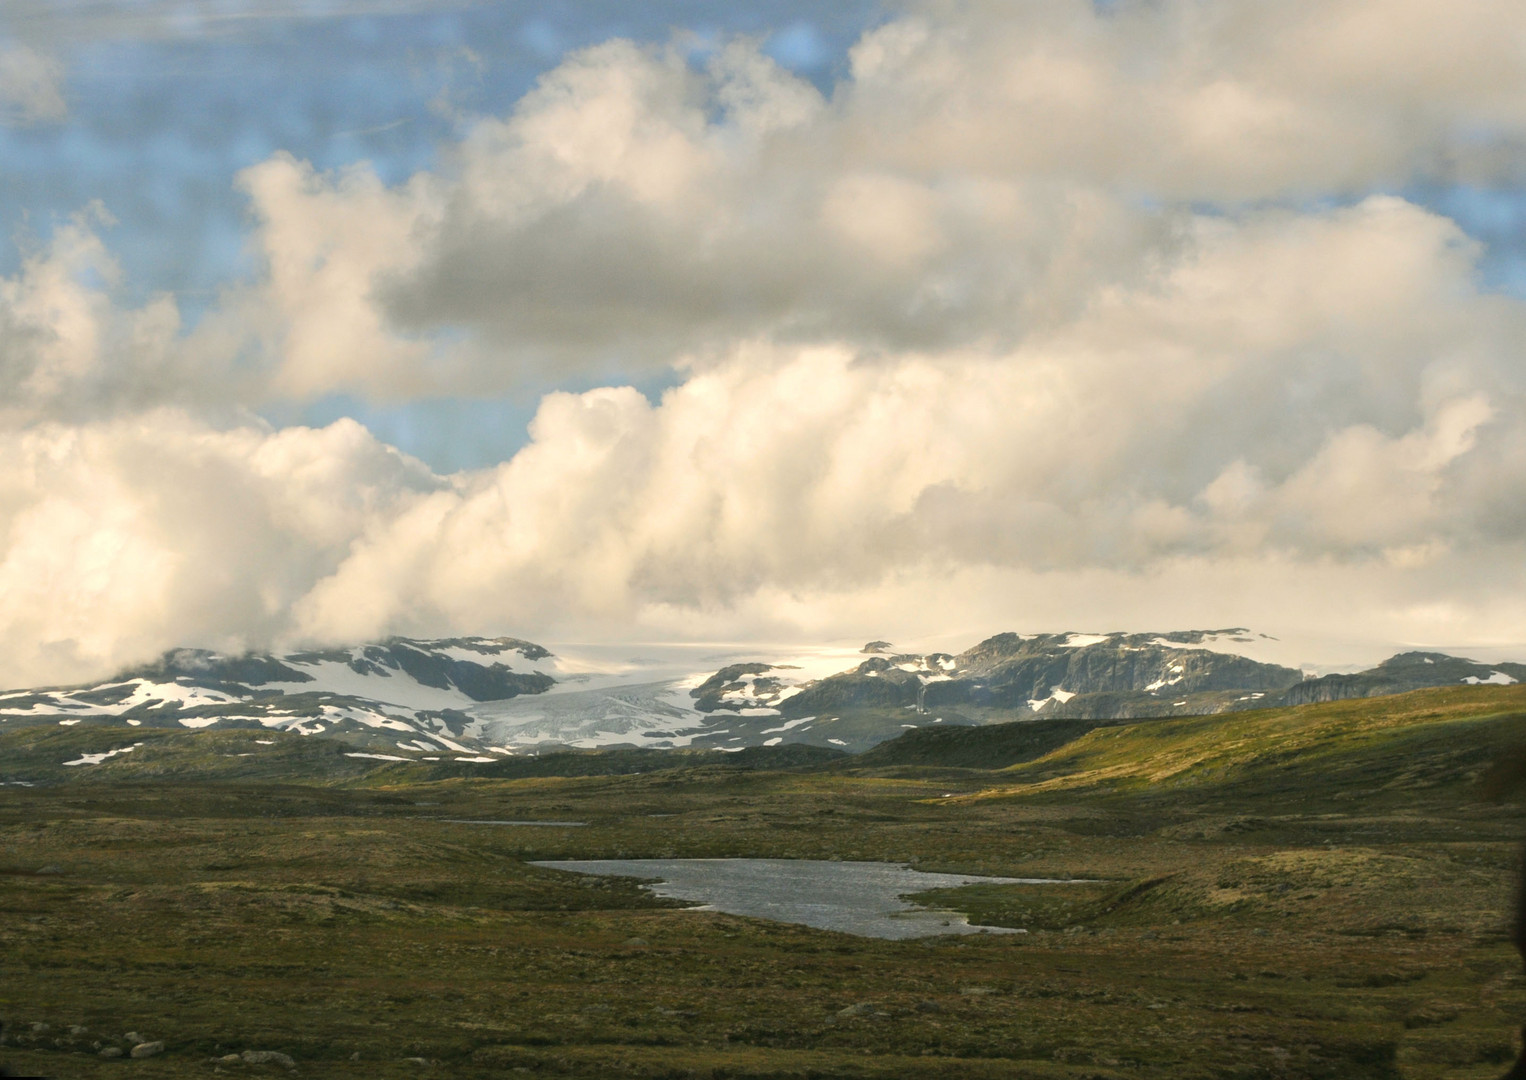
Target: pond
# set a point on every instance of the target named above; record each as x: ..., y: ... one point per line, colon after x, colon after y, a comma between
x: 861, y: 898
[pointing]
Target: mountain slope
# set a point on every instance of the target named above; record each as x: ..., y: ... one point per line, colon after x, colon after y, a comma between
x: 475, y: 699
x: 1081, y: 676
x: 1401, y: 673
x: 370, y: 694
x: 1440, y: 738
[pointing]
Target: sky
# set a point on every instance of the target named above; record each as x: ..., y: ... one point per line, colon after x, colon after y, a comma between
x: 324, y: 320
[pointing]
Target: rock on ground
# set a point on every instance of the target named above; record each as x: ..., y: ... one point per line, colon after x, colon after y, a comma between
x: 268, y: 1057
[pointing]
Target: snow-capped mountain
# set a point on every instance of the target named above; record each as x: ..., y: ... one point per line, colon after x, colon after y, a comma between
x: 476, y: 699
x: 372, y: 694
x: 467, y: 696
x: 1020, y: 677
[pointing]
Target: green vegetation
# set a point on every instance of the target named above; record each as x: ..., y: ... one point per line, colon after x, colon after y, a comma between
x: 987, y: 747
x: 1311, y: 892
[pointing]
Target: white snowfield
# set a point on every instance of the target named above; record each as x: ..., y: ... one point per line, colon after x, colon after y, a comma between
x: 608, y: 696
x: 1498, y: 678
x: 1081, y: 641
x: 394, y: 688
x: 96, y: 759
x: 144, y: 692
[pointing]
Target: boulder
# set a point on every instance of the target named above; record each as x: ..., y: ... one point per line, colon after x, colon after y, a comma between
x: 147, y: 1049
x: 268, y: 1057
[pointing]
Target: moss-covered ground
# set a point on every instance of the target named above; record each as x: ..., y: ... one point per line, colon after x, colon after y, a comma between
x: 1301, y: 893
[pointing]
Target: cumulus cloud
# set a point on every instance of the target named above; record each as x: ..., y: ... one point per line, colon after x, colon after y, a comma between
x: 31, y: 86
x: 1045, y: 309
x: 72, y: 349
x: 1305, y: 407
x: 120, y: 536
x: 984, y: 170
x: 1303, y: 392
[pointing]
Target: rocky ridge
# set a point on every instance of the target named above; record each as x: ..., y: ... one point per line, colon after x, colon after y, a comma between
x: 477, y: 699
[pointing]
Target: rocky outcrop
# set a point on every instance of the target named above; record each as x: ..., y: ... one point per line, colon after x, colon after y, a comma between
x: 1400, y: 674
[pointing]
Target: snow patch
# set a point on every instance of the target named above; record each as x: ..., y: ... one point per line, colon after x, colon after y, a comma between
x: 397, y: 688
x: 96, y: 759
x: 144, y: 693
x: 787, y: 725
x: 1081, y: 641
x: 1055, y: 694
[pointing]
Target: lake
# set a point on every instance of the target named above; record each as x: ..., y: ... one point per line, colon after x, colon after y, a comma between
x: 861, y: 898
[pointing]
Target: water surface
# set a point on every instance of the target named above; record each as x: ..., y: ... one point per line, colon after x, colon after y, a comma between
x: 861, y: 898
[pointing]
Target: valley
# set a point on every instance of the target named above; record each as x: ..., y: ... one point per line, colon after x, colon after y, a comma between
x: 1311, y: 891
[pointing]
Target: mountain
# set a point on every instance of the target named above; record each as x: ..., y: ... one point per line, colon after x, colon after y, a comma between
x: 1078, y: 676
x: 464, y: 698
x: 1406, y: 671
x: 368, y: 695
x: 476, y: 700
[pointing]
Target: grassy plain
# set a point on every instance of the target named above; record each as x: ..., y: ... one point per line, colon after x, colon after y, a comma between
x: 1314, y: 892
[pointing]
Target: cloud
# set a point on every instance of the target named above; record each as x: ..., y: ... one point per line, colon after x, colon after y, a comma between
x: 71, y: 349
x: 31, y: 87
x: 93, y: 20
x: 1225, y: 409
x: 982, y: 172
x: 122, y: 536
x: 1045, y: 309
x: 1294, y: 394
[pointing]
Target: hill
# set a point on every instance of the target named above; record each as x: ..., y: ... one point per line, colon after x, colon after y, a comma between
x: 1389, y: 751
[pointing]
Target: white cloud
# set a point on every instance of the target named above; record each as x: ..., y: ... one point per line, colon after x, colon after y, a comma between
x: 31, y: 86
x: 1046, y: 317
x: 981, y: 175
x: 123, y: 536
